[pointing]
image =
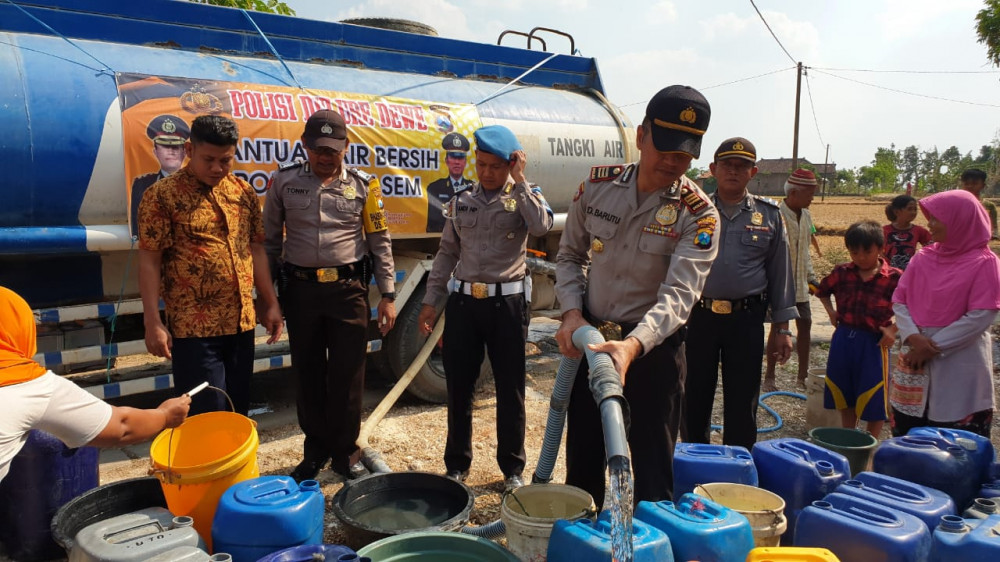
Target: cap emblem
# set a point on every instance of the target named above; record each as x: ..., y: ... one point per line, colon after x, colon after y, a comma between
x: 737, y: 145
x: 168, y: 126
x: 456, y: 142
x: 688, y: 115
x: 327, y: 129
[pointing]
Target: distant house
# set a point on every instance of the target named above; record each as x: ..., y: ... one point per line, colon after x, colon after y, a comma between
x: 771, y: 175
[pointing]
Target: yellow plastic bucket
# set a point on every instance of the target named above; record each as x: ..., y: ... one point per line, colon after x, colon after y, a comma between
x: 198, y: 461
x: 791, y: 554
x: 764, y: 509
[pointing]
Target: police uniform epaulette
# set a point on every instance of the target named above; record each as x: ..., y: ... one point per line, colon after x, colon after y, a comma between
x: 691, y: 198
x: 290, y: 165
x: 767, y: 200
x: 606, y: 173
x: 364, y: 176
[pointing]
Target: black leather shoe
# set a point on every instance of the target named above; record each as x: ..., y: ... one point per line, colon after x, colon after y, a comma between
x: 459, y: 475
x: 512, y: 483
x: 307, y: 469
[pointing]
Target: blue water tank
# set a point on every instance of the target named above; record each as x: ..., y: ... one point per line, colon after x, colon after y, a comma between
x: 857, y: 529
x: 701, y: 463
x: 979, y: 448
x: 798, y: 471
x: 931, y: 461
x: 927, y: 504
x: 44, y: 475
x: 263, y: 515
x: 968, y: 540
x: 700, y: 529
x: 583, y: 540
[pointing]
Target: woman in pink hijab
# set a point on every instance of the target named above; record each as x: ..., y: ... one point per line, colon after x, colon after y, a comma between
x: 945, y: 303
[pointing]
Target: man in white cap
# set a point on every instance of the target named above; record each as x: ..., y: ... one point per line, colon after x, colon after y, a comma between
x: 799, y: 191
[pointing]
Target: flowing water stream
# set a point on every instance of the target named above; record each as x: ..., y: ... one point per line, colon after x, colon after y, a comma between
x: 621, y: 509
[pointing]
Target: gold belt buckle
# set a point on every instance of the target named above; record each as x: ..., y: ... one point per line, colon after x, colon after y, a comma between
x: 480, y: 290
x: 327, y: 274
x: 722, y: 307
x: 610, y: 330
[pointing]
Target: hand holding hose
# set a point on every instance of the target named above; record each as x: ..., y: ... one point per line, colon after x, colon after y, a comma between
x: 572, y: 320
x: 622, y: 353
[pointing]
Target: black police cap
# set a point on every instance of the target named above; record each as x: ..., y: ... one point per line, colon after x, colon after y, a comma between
x: 678, y: 117
x: 455, y: 142
x: 168, y: 130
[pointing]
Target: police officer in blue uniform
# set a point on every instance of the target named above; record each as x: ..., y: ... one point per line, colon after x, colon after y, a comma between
x: 440, y: 191
x: 480, y: 271
x: 752, y: 271
x: 168, y: 133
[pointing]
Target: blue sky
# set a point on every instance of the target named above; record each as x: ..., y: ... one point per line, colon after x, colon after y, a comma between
x: 641, y: 47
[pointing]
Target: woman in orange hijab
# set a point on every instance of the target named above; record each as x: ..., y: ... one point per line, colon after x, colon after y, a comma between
x: 34, y: 398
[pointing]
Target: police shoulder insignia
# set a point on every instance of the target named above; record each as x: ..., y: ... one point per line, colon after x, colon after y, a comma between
x: 290, y: 165
x: 693, y: 201
x: 627, y: 174
x: 579, y: 192
x: 364, y: 176
x: 768, y: 200
x: 606, y: 173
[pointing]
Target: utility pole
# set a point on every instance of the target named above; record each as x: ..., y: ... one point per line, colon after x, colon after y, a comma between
x: 826, y: 159
x: 795, y: 135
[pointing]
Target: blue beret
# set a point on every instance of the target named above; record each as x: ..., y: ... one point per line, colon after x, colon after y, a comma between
x: 498, y: 140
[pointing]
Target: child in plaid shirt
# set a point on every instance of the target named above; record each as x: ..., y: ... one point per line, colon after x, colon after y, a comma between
x: 857, y: 367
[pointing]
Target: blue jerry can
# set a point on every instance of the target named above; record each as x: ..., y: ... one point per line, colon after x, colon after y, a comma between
x: 968, y: 540
x: 930, y: 461
x: 263, y: 515
x: 928, y: 504
x: 700, y: 529
x: 798, y: 471
x: 700, y: 463
x: 583, y: 540
x: 857, y: 529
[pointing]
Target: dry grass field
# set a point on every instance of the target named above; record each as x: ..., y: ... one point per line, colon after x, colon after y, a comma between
x: 835, y: 214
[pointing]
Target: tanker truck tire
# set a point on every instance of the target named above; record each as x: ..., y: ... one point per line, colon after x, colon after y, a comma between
x: 404, y: 342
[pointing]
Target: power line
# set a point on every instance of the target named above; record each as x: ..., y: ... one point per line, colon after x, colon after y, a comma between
x: 813, y: 107
x: 888, y: 71
x: 748, y: 78
x: 905, y: 92
x: 723, y: 84
x: 790, y: 57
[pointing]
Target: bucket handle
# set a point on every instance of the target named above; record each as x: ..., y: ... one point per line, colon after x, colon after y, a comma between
x: 167, y: 476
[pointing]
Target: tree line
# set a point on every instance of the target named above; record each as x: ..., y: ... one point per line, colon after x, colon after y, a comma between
x: 923, y: 171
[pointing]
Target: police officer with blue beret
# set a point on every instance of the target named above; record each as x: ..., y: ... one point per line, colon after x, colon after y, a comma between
x: 480, y: 270
x: 752, y: 271
x: 168, y: 133
x: 440, y: 191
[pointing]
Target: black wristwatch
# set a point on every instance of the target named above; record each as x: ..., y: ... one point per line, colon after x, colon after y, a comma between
x: 391, y: 296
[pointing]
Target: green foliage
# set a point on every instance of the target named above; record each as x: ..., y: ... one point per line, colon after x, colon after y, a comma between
x: 693, y: 173
x: 269, y: 6
x: 988, y: 29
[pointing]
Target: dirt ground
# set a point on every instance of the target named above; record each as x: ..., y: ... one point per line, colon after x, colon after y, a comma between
x: 411, y: 436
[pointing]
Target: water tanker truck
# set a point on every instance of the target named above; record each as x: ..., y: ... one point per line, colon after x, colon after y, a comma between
x: 88, y: 85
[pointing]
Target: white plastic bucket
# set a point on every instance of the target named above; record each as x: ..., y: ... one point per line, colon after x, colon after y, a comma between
x: 764, y: 509
x: 816, y: 414
x: 528, y: 533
